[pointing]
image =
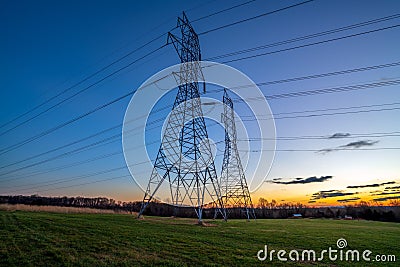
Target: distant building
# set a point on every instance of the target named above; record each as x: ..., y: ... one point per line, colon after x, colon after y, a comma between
x: 347, y: 217
x: 297, y: 216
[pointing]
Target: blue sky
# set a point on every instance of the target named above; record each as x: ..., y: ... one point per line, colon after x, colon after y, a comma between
x: 50, y: 46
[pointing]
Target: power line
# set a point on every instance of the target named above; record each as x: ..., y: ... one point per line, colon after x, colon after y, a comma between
x: 63, y: 146
x: 17, y: 145
x: 103, y: 68
x: 317, y: 91
x: 322, y: 137
x: 260, y: 54
x: 96, y: 144
x: 321, y: 150
x: 290, y: 138
x: 315, y: 76
x: 83, y: 90
x: 356, y: 135
x: 74, y: 164
x: 78, y: 83
x: 329, y: 109
x: 71, y: 152
x: 337, y: 113
x: 274, y: 116
x: 222, y: 11
x: 75, y: 178
x: 100, y: 71
x: 254, y: 17
x: 80, y: 177
x: 60, y: 155
x: 75, y: 142
x: 66, y: 166
x: 306, y: 37
x: 311, y: 44
x: 40, y: 135
x: 334, y: 89
x: 88, y: 183
x: 312, y: 92
x: 254, y: 139
x: 363, y: 149
x: 82, y: 184
x: 392, y: 134
x: 324, y: 91
x: 310, y: 115
x: 165, y: 45
x: 295, y: 79
x: 294, y: 94
x: 277, y: 150
x: 301, y: 78
x: 322, y: 75
x: 247, y: 151
x: 289, y: 117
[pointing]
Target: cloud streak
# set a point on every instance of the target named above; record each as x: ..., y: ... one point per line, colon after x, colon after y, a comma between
x: 360, y: 143
x: 370, y: 185
x: 392, y: 187
x: 308, y: 180
x: 351, y: 145
x: 386, y: 193
x: 331, y: 194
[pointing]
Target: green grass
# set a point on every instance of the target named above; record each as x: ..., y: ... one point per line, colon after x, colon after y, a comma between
x: 56, y: 239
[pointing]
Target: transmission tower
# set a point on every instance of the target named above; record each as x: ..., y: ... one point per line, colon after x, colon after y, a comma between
x: 234, y: 190
x: 184, y: 157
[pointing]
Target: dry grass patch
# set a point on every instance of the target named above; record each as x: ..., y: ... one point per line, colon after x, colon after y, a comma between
x: 57, y: 209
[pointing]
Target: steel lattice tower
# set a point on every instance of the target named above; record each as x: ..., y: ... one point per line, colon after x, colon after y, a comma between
x: 184, y: 157
x: 234, y: 190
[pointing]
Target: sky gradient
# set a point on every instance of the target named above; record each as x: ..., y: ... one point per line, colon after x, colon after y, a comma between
x: 52, y: 46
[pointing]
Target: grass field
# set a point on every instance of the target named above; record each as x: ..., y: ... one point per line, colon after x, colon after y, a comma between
x: 57, y: 239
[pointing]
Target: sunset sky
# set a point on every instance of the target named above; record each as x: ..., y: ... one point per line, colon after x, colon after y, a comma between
x: 335, y: 146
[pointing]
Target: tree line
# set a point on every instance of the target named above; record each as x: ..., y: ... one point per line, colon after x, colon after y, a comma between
x: 81, y: 202
x: 263, y: 210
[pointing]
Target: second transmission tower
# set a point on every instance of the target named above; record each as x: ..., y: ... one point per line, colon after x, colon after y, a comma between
x: 234, y: 189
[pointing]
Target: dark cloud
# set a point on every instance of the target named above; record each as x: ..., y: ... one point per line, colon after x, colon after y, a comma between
x: 359, y: 144
x: 345, y: 200
x: 308, y: 180
x: 392, y: 187
x: 370, y: 185
x: 312, y: 201
x: 386, y: 198
x: 339, y: 135
x: 356, y: 144
x: 331, y: 193
x: 392, y: 182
